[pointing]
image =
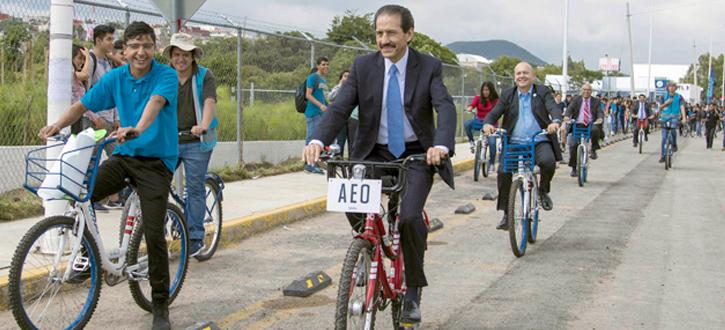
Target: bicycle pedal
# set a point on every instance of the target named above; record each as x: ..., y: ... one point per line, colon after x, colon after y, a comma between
x: 80, y: 264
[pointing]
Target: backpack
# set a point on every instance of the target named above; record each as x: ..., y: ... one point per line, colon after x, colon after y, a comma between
x: 301, y: 97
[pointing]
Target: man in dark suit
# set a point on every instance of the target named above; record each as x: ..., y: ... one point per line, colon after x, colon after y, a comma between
x: 396, y: 90
x: 527, y: 109
x: 643, y: 113
x: 585, y: 110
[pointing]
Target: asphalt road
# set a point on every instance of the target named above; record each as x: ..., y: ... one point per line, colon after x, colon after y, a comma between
x: 637, y: 247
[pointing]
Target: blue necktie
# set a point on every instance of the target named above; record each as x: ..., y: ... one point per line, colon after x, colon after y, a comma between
x: 396, y: 140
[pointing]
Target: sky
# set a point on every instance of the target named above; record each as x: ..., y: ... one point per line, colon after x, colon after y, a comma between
x: 596, y: 27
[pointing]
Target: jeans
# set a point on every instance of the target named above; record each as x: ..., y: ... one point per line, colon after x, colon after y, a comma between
x: 311, y: 125
x: 698, y: 128
x: 196, y: 163
x: 664, y: 137
x: 470, y: 125
x: 613, y: 119
x: 152, y: 179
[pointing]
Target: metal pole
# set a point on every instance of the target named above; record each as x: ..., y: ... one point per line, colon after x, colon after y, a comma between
x: 694, y: 69
x: 463, y: 100
x: 59, y: 77
x: 240, y: 113
x: 565, y: 52
x: 709, y: 70
x: 606, y: 74
x: 722, y: 91
x: 128, y: 16
x: 312, y: 54
x: 649, y: 55
x: 631, y: 52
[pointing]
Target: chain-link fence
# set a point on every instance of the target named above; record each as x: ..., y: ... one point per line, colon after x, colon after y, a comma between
x: 257, y: 71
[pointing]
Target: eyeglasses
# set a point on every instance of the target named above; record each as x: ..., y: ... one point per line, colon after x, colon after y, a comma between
x: 136, y: 46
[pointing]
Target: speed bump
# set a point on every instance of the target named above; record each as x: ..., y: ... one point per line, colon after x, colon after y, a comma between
x: 308, y: 284
x: 465, y: 209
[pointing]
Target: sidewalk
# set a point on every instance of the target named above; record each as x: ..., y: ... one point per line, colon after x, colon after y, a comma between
x: 249, y: 207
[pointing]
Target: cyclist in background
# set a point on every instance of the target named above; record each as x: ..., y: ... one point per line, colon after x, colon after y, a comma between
x: 196, y: 115
x: 483, y: 103
x: 672, y: 109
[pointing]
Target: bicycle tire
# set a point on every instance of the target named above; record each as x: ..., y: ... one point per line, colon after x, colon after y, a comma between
x: 517, y: 240
x: 357, y: 250
x: 484, y: 160
x: 477, y: 161
x: 641, y: 140
x: 212, y: 220
x: 15, y: 290
x: 176, y: 279
x: 533, y: 223
x: 580, y: 165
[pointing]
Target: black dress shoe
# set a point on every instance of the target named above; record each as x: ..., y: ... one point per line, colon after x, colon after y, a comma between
x: 411, y: 312
x: 504, y: 224
x: 662, y: 159
x: 161, y: 317
x: 573, y: 173
x: 546, y: 202
x: 594, y: 155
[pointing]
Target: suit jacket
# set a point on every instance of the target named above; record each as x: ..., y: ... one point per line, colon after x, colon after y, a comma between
x: 594, y: 106
x: 543, y: 106
x: 647, y: 110
x: 424, y: 91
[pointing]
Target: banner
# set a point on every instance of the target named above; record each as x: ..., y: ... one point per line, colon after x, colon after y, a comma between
x: 710, y: 86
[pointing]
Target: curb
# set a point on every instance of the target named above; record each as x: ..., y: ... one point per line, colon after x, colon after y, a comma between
x: 237, y: 229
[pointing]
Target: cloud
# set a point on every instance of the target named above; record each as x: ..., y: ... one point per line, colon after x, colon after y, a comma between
x: 596, y: 27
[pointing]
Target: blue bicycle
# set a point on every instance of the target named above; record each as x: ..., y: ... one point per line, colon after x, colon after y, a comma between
x: 583, y: 136
x: 669, y: 125
x: 524, y: 204
x: 57, y: 269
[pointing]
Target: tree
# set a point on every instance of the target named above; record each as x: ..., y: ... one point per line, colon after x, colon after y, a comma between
x: 504, y: 65
x: 426, y: 44
x: 702, y: 75
x: 343, y: 28
x: 14, y: 42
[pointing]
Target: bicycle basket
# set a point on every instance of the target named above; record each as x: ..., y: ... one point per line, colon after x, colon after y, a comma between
x: 67, y: 175
x: 579, y: 132
x: 514, y: 155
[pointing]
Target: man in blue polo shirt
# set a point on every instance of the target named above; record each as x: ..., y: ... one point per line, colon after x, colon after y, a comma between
x: 145, y: 94
x: 672, y: 109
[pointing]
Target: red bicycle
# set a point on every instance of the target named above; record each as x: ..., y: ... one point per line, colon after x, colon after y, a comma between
x: 367, y: 285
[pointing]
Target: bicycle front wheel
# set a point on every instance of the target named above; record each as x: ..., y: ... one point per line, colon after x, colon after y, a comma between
x: 212, y: 221
x: 177, y: 243
x: 641, y: 140
x: 351, y: 312
x: 580, y: 164
x: 40, y: 298
x: 517, y: 217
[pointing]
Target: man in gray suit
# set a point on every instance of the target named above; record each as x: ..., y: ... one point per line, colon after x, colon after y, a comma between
x: 397, y: 90
x: 527, y: 108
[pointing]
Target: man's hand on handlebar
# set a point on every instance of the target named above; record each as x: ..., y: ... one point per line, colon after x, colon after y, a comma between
x: 553, y: 128
x: 435, y: 156
x: 489, y: 129
x: 126, y: 133
x: 311, y: 154
x: 198, y: 130
x: 48, y: 131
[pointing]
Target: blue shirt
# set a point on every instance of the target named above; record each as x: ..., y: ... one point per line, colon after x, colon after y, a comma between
x: 118, y: 88
x: 526, y: 124
x: 672, y: 111
x: 318, y: 85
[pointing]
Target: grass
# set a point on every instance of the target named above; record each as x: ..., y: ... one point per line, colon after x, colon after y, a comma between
x: 19, y: 204
x: 256, y: 170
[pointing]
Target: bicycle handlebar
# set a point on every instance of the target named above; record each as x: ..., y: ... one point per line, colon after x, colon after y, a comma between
x: 399, y: 168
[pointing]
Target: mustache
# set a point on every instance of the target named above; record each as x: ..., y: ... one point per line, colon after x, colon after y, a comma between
x: 387, y: 45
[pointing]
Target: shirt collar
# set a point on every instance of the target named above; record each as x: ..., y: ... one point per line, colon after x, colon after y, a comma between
x: 401, y: 64
x: 127, y: 69
x: 527, y: 93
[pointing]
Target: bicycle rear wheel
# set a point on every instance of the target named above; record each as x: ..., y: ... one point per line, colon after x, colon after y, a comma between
x: 351, y: 312
x: 212, y: 221
x: 485, y: 160
x: 517, y: 217
x: 177, y: 243
x: 39, y: 297
x: 477, y: 161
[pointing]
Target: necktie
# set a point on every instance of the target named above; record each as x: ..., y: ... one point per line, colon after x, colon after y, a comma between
x: 396, y: 141
x: 587, y: 113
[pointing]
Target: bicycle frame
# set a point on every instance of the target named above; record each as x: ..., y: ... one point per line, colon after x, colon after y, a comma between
x: 391, y: 284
